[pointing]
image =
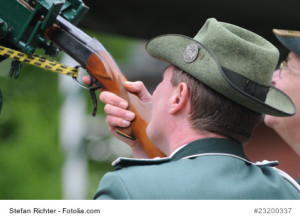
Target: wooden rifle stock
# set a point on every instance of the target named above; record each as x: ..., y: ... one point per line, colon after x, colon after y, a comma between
x: 91, y: 54
x: 102, y: 66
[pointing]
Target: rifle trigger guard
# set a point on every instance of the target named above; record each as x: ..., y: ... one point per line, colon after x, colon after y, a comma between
x: 92, y: 91
x: 94, y: 99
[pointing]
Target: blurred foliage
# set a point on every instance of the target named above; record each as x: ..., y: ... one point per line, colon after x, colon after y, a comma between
x: 30, y: 156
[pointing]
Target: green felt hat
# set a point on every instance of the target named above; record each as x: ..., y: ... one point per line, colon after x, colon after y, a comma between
x: 231, y: 60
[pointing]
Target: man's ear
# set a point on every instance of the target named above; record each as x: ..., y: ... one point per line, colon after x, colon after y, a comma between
x: 180, y: 98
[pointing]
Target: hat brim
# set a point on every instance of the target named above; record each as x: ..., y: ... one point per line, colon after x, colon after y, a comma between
x: 170, y: 48
x: 290, y: 39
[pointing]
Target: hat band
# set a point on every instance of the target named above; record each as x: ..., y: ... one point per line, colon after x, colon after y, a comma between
x: 246, y: 85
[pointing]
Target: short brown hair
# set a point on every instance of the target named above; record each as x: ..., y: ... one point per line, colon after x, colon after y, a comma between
x: 213, y: 112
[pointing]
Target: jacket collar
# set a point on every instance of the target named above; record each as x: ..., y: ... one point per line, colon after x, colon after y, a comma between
x: 208, y: 146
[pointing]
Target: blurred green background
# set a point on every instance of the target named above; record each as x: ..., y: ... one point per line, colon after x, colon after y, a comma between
x: 31, y: 157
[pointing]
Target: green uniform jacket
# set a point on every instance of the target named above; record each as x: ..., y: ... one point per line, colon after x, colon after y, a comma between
x: 204, y: 169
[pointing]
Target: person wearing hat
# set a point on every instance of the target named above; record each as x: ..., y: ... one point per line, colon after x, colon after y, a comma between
x: 205, y: 109
x: 287, y: 79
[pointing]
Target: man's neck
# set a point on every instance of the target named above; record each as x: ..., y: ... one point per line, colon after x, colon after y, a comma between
x: 186, y: 137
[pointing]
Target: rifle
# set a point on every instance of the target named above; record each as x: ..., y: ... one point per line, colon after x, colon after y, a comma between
x: 50, y: 25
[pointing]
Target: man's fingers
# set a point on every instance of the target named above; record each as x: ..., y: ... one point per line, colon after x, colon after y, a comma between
x: 119, y: 112
x: 138, y: 88
x: 110, y: 98
x: 86, y: 79
x: 114, y: 122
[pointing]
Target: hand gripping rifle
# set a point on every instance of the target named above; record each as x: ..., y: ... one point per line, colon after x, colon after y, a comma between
x: 50, y: 24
